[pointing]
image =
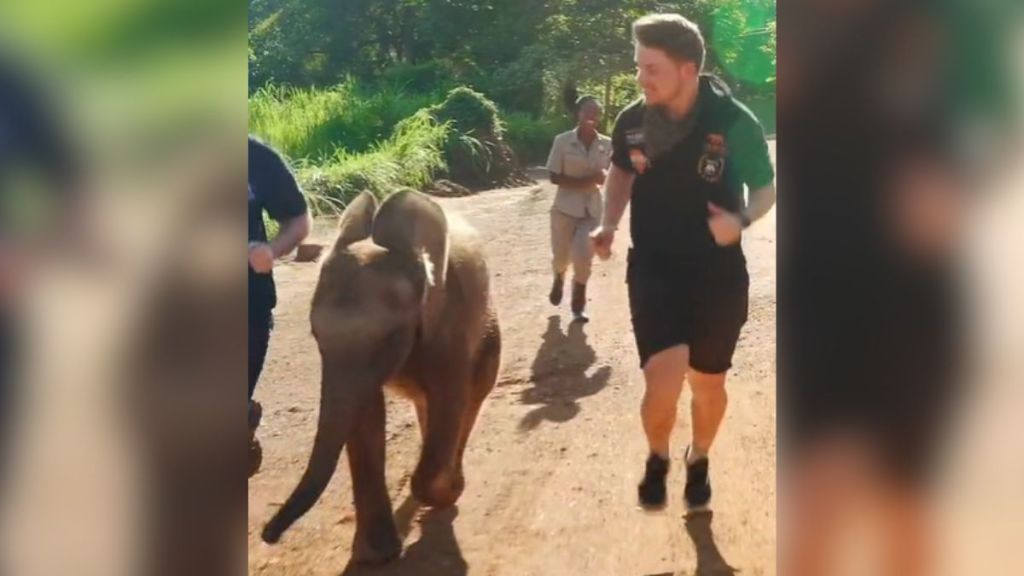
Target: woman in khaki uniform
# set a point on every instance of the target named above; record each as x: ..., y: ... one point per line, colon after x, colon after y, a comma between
x: 578, y: 164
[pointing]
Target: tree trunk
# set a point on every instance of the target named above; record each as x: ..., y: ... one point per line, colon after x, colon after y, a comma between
x: 607, y: 92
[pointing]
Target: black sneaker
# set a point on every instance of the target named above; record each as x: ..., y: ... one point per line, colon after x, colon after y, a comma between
x: 652, y: 490
x: 698, y: 486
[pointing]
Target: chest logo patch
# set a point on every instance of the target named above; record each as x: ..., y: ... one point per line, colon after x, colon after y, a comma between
x: 635, y: 142
x: 711, y: 165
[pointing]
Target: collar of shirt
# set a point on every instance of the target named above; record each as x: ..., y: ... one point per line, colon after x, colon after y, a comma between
x: 597, y: 144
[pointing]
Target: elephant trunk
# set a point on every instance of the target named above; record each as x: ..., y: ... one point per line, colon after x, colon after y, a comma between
x: 333, y: 429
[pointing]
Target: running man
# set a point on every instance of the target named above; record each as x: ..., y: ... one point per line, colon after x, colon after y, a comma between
x: 683, y: 154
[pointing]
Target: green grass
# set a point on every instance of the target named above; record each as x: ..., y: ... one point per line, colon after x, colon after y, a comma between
x: 344, y: 140
x: 411, y: 157
x: 314, y: 124
x: 531, y: 137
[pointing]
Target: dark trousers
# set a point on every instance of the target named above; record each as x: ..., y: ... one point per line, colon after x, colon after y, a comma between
x: 261, y: 322
x: 9, y: 364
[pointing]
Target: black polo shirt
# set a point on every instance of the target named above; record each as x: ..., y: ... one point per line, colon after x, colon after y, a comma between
x: 725, y: 150
x: 273, y: 188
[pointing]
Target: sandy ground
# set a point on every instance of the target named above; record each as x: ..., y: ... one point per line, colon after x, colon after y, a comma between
x: 553, y: 463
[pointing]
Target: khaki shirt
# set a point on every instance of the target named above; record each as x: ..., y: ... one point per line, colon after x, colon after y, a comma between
x: 569, y: 157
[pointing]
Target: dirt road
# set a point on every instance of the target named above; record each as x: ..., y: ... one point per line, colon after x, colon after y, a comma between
x: 552, y: 466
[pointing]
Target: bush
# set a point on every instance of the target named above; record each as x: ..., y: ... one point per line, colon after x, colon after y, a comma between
x: 469, y: 112
x: 518, y: 85
x: 411, y: 157
x: 344, y: 141
x: 475, y: 150
x: 426, y: 78
x: 530, y: 137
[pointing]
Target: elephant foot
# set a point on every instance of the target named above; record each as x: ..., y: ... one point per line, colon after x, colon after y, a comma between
x: 441, y: 491
x: 376, y: 546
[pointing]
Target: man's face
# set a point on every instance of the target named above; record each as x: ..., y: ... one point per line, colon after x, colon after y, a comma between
x: 660, y: 77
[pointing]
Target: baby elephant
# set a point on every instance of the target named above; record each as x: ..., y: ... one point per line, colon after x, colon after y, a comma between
x: 403, y: 301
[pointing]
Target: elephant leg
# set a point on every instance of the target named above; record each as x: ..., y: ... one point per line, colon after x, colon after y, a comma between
x: 376, y: 538
x: 472, y: 411
x: 434, y: 482
x: 485, y: 377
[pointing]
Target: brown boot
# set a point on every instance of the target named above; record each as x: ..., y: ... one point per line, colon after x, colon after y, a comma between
x: 579, y: 302
x: 555, y: 297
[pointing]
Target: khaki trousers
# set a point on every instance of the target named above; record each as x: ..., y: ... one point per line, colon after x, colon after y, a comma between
x: 570, y: 242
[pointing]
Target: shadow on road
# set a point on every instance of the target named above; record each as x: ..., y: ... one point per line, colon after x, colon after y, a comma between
x: 709, y: 559
x: 436, y: 553
x: 559, y: 375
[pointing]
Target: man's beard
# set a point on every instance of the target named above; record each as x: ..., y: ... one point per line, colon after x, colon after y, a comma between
x: 661, y: 132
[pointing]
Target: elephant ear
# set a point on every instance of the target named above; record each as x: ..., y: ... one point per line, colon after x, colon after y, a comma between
x: 409, y: 222
x: 356, y: 221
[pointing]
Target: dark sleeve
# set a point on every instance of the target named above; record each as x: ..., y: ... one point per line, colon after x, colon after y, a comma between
x: 281, y: 195
x: 749, y: 151
x: 620, y: 149
x: 36, y: 130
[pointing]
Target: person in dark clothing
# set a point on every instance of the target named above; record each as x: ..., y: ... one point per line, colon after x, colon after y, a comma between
x: 272, y: 189
x: 39, y: 202
x: 682, y: 155
x: 871, y: 315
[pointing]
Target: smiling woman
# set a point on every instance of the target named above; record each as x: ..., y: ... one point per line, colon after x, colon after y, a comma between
x: 578, y: 164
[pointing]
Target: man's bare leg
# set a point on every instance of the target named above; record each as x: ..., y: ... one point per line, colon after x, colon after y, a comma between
x: 707, y: 408
x: 664, y: 373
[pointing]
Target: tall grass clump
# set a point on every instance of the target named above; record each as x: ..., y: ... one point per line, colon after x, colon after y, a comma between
x: 411, y: 157
x: 316, y: 123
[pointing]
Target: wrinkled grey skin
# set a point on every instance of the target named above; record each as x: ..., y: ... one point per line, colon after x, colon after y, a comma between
x: 403, y: 300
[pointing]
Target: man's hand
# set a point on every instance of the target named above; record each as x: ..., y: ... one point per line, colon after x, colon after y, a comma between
x: 725, y: 226
x: 261, y: 257
x: 600, y: 177
x: 601, y: 239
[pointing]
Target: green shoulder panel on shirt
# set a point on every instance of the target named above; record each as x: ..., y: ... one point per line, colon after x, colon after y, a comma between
x: 748, y: 149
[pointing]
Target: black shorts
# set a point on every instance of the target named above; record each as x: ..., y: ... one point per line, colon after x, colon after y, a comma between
x: 704, y: 307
